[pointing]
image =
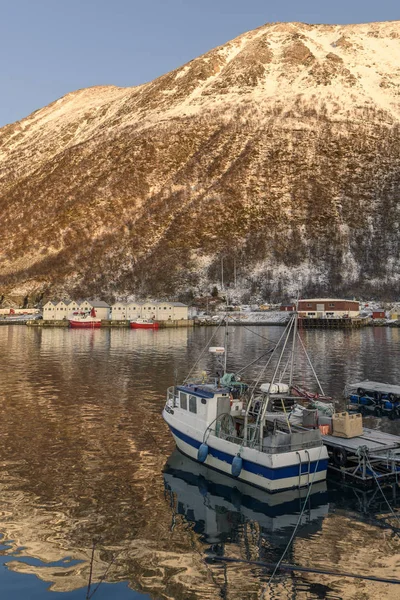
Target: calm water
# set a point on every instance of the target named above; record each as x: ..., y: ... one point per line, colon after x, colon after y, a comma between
x: 85, y: 456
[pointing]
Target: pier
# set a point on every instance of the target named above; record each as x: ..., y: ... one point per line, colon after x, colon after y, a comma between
x: 106, y: 323
x: 331, y: 323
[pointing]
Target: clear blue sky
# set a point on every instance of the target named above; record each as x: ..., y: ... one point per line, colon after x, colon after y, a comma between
x: 51, y: 47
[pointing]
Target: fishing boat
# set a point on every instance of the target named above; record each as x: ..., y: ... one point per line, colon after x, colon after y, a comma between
x: 85, y: 320
x: 230, y: 426
x: 144, y: 324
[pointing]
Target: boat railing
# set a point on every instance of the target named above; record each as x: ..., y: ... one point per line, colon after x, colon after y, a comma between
x: 273, y: 449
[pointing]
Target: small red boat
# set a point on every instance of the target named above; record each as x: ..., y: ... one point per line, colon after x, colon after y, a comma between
x: 144, y: 324
x: 85, y: 320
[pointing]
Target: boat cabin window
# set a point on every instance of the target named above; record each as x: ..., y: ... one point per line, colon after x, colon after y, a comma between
x: 193, y: 404
x: 183, y: 399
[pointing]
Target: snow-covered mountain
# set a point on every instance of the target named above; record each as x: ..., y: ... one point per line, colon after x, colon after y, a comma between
x: 278, y: 152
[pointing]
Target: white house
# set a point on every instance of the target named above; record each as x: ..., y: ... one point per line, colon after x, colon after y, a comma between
x: 119, y: 311
x: 64, y: 309
x: 171, y: 311
x: 73, y: 307
x: 134, y: 310
x: 49, y: 311
x: 102, y: 309
x: 149, y: 310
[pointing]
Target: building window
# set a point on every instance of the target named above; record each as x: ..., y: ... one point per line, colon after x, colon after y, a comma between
x: 332, y: 305
x: 170, y: 308
x: 165, y: 308
x: 193, y: 404
x: 183, y: 398
x: 310, y: 314
x: 309, y: 304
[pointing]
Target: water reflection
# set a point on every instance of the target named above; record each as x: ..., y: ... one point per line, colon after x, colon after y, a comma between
x: 83, y: 454
x: 220, y: 507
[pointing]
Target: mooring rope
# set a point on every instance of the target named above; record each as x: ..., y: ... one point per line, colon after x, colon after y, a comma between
x: 292, y: 568
x: 278, y: 564
x: 383, y: 494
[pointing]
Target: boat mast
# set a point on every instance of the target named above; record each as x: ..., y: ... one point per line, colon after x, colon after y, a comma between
x: 294, y: 342
x: 262, y: 413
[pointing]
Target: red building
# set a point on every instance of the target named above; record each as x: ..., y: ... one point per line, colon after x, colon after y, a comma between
x: 287, y: 307
x: 321, y: 308
x: 378, y: 314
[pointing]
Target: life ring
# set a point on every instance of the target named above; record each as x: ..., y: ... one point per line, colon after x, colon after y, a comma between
x: 339, y: 456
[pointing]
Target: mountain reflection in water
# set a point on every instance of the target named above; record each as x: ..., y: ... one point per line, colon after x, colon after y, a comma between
x: 84, y: 455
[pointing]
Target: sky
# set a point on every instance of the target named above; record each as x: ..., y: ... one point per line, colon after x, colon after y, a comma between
x: 51, y: 47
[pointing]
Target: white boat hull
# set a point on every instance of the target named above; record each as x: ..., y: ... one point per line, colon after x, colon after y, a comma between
x: 272, y: 472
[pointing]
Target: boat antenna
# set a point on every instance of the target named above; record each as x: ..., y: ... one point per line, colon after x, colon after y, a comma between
x: 202, y: 352
x: 226, y: 336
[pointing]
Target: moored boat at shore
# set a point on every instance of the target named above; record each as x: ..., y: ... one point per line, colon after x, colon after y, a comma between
x: 144, y: 324
x: 222, y: 422
x: 85, y: 320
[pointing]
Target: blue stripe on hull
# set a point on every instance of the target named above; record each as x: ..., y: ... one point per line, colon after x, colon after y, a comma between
x: 256, y: 469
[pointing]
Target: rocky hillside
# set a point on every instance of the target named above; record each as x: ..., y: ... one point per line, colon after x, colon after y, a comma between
x: 278, y: 152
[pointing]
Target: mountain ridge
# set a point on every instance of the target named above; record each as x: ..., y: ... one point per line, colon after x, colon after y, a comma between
x: 278, y: 151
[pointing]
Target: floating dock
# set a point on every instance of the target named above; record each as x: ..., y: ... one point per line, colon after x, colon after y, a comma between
x: 370, y: 457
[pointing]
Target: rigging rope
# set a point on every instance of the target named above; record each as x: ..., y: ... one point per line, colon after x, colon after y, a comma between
x: 311, y: 365
x: 201, y: 354
x: 278, y: 564
x: 383, y: 494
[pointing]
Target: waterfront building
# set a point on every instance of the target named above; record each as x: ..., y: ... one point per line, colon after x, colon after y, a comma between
x: 73, y: 307
x: 61, y: 310
x: 64, y: 309
x: 287, y: 307
x: 49, y: 311
x: 134, y: 310
x: 102, y: 309
x: 171, y: 311
x: 119, y: 311
x: 325, y: 308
